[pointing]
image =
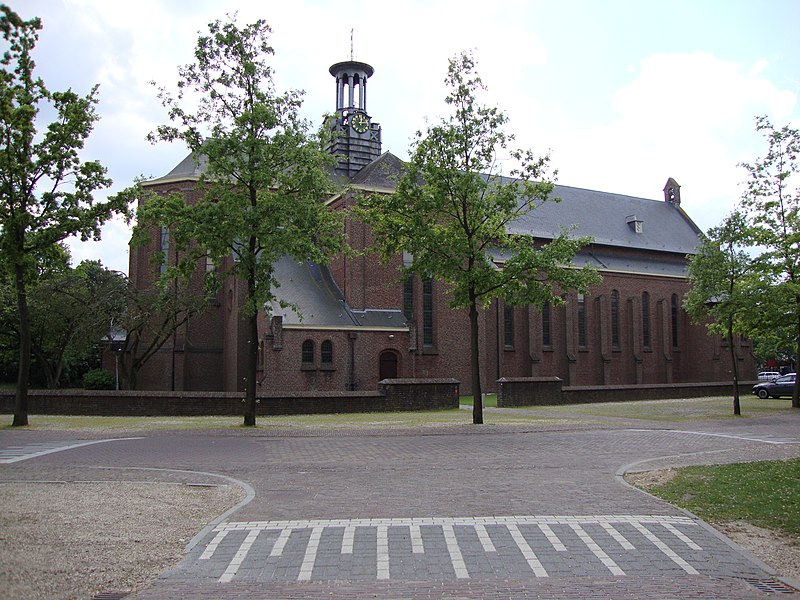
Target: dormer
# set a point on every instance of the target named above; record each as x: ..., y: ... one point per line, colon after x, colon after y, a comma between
x: 635, y: 223
x: 672, y: 192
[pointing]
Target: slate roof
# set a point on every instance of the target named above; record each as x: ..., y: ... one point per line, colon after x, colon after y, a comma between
x: 606, y: 217
x: 319, y: 300
x: 602, y: 215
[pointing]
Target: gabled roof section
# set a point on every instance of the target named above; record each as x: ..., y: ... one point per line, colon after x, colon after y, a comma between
x: 606, y: 217
x: 311, y: 288
x: 381, y: 174
x: 189, y: 169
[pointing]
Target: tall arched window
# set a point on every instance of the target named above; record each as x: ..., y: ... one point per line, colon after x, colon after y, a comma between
x: 615, y: 319
x: 646, y: 320
x: 408, y: 297
x: 308, y: 352
x: 326, y: 353
x: 547, y: 339
x: 674, y: 306
x: 508, y: 326
x: 581, y: 321
x: 427, y: 311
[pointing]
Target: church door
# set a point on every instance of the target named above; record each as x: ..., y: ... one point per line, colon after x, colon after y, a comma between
x: 387, y: 365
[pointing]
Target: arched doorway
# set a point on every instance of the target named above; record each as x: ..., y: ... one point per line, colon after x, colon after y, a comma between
x: 387, y: 365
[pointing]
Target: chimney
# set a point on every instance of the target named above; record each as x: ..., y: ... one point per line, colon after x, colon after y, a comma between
x: 672, y: 192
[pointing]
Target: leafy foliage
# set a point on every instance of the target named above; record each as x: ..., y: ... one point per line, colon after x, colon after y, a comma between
x: 721, y: 276
x: 99, y: 379
x: 265, y: 174
x: 46, y: 188
x: 454, y: 212
x: 771, y: 201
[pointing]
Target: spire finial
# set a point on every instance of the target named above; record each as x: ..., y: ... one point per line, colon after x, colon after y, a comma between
x: 351, y: 44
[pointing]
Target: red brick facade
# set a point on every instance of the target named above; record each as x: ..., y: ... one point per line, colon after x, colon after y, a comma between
x: 616, y: 344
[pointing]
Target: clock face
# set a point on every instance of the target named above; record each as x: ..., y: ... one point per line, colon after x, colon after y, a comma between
x: 359, y: 123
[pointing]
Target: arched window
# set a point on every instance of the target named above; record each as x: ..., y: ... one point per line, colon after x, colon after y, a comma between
x: 646, y: 320
x: 674, y: 306
x: 615, y: 319
x: 547, y: 339
x: 164, y: 244
x: 508, y: 326
x: 308, y: 352
x: 427, y: 311
x: 408, y: 297
x: 581, y: 321
x: 326, y: 353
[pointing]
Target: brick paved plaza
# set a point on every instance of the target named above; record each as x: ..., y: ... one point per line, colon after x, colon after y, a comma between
x: 463, y: 512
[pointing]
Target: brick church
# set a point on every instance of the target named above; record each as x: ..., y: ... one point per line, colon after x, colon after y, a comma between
x: 363, y: 322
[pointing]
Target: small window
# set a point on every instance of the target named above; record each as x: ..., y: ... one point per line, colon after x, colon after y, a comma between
x: 508, y: 326
x: 308, y: 353
x: 646, y: 320
x: 581, y: 321
x: 615, y: 319
x: 547, y: 340
x: 326, y: 353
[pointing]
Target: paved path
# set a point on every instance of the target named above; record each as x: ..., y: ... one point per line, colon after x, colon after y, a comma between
x: 487, y: 512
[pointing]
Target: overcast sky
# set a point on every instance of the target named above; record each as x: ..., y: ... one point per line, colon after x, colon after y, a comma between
x: 623, y: 93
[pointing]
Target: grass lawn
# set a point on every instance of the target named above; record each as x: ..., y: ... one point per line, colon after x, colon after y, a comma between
x: 683, y: 409
x: 692, y: 409
x: 766, y: 494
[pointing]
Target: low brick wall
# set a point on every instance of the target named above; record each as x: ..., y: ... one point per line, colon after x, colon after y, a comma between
x: 393, y: 395
x: 529, y: 391
x: 548, y: 391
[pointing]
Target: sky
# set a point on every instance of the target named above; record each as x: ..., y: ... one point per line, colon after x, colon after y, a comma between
x: 623, y: 94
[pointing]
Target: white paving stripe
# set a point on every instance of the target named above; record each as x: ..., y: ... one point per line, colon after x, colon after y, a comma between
x: 212, y: 547
x: 417, y: 547
x: 14, y: 454
x: 665, y: 549
x: 241, y: 554
x: 486, y: 541
x: 311, y: 555
x: 348, y: 539
x: 671, y: 528
x: 552, y: 537
x: 383, y: 552
x: 283, y: 537
x: 596, y: 550
x: 527, y: 552
x: 626, y: 545
x: 455, y: 552
x: 381, y: 527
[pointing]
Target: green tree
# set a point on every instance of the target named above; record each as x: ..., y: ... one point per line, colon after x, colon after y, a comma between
x: 771, y: 201
x: 455, y: 214
x: 265, y: 174
x: 46, y: 188
x: 720, y: 273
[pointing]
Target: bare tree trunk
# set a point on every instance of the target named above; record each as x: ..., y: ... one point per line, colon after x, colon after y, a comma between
x: 23, y: 373
x: 737, y: 409
x: 252, y: 345
x: 477, y: 392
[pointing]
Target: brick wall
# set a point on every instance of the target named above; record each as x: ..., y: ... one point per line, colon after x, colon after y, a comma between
x: 549, y: 391
x: 393, y: 395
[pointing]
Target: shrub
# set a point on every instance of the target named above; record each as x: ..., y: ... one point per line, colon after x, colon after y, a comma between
x: 98, y: 379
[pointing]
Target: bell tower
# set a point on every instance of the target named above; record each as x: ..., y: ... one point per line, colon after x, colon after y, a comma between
x: 356, y: 139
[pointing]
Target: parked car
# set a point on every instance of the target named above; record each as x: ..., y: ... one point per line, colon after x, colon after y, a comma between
x: 768, y: 375
x: 782, y: 386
